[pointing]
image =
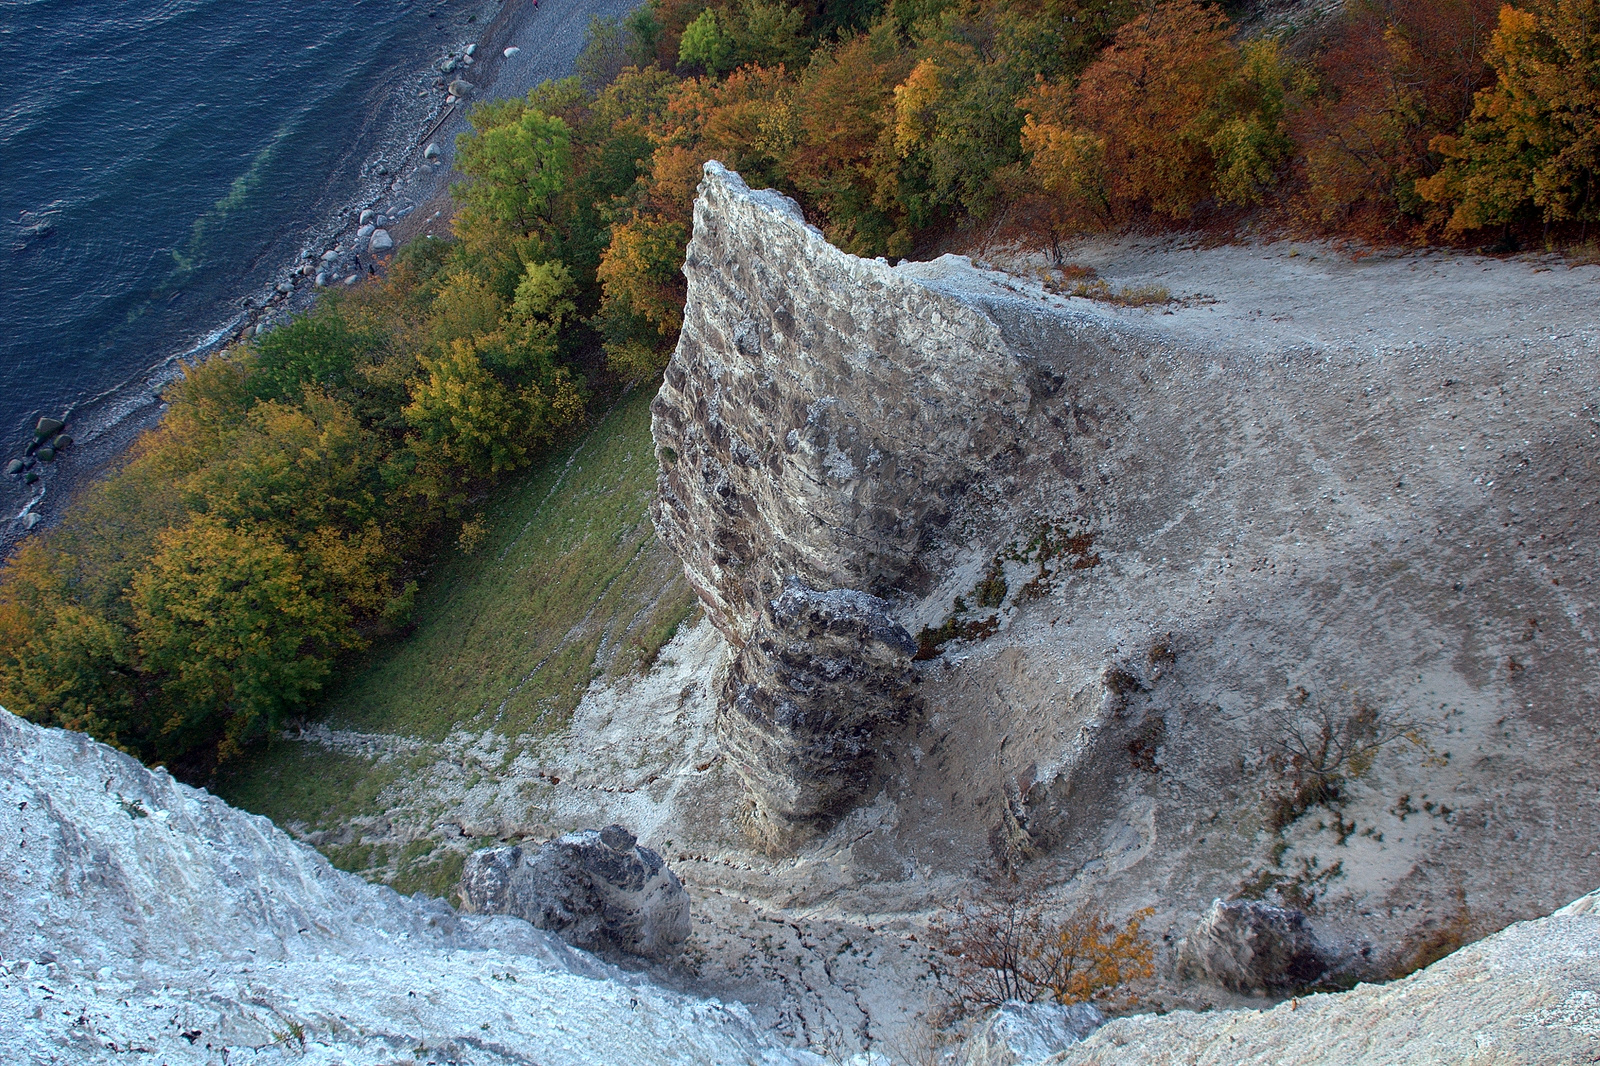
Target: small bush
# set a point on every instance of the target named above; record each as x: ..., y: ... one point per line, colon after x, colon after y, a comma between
x: 1005, y: 947
x: 1321, y: 745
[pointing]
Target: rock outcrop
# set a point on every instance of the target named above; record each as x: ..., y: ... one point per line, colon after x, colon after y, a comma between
x: 821, y: 412
x: 596, y: 889
x: 150, y: 922
x: 1246, y: 945
x: 1017, y: 1032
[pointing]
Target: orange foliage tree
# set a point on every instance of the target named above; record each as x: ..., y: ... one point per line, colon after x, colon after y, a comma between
x: 1006, y: 947
x: 1392, y: 76
x: 1171, y: 114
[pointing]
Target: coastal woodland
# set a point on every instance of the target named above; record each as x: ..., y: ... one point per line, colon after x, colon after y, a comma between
x: 301, y: 485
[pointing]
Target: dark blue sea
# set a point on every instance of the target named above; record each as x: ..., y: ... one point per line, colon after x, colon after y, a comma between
x: 177, y: 153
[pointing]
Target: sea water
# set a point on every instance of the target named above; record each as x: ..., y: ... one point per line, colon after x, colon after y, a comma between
x: 176, y: 154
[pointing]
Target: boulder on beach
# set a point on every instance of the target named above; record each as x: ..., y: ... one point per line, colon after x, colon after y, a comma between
x: 448, y: 65
x: 322, y: 278
x: 352, y: 279
x: 63, y: 441
x: 431, y: 152
x: 509, y: 52
x: 381, y: 241
x: 365, y: 231
x: 471, y: 50
x: 285, y: 287
x: 366, y: 216
x: 329, y: 256
x: 47, y: 428
x: 16, y: 466
x: 46, y: 454
x: 30, y: 477
x: 460, y: 88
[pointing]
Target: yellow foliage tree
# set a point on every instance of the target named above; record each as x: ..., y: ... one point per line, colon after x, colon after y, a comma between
x: 1532, y: 145
x: 481, y: 423
x: 226, y: 621
x: 640, y: 276
x: 1170, y: 114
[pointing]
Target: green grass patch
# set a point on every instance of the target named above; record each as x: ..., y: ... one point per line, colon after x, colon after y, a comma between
x: 566, y: 583
x: 434, y: 877
x: 569, y: 583
x: 289, y: 782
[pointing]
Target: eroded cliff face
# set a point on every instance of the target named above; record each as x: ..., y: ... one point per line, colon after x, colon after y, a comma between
x: 150, y: 922
x: 1141, y: 553
x: 821, y: 414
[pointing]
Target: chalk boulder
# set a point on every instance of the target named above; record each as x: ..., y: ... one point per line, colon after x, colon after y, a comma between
x: 597, y: 889
x: 1250, y: 946
x: 1017, y: 1032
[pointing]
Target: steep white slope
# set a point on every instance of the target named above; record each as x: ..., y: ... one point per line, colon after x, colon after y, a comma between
x: 149, y: 921
x: 1529, y: 994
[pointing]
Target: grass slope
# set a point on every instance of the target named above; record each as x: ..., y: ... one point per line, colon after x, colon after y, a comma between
x: 569, y: 584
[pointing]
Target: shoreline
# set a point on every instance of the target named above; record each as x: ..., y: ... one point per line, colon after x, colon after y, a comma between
x: 394, y: 179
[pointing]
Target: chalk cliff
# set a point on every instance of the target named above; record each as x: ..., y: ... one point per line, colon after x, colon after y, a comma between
x: 1281, y: 589
x: 150, y: 922
x: 821, y: 414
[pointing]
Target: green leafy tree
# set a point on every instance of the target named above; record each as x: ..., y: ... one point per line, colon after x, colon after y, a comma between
x: 316, y: 349
x: 519, y: 166
x: 706, y: 45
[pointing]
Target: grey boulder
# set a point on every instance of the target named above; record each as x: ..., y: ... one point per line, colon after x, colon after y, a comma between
x: 460, y: 88
x: 1251, y: 946
x: 48, y: 427
x: 596, y: 889
x: 381, y: 241
x: 431, y: 152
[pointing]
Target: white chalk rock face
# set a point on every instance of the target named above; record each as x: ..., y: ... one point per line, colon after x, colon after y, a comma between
x: 1017, y: 1032
x: 151, y: 922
